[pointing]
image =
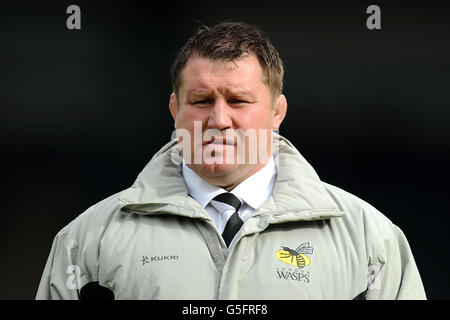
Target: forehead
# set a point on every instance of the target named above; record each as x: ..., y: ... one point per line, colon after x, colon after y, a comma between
x: 204, y: 74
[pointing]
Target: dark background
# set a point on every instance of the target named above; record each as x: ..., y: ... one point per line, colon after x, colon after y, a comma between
x: 82, y: 112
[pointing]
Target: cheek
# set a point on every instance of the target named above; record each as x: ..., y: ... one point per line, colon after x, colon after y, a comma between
x: 255, y: 119
x: 186, y: 118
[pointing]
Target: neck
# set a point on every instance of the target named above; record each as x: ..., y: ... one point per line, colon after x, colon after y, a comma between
x: 231, y: 179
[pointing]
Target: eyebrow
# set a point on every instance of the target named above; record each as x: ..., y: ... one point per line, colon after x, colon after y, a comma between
x: 231, y: 93
x: 242, y: 93
x: 199, y: 92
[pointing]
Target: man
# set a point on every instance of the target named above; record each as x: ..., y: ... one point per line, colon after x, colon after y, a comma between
x: 228, y: 210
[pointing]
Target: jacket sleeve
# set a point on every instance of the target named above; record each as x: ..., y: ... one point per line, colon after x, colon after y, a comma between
x: 394, y: 274
x: 61, y: 277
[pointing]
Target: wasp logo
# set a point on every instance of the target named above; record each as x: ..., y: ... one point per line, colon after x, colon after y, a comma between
x: 297, y: 257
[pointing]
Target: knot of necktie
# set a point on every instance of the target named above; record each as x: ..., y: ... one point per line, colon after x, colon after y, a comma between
x: 234, y: 223
x: 229, y: 199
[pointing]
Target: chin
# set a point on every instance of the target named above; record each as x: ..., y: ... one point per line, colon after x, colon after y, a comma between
x: 215, y: 169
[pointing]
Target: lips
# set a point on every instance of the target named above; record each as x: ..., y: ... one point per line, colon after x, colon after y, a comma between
x: 220, y: 141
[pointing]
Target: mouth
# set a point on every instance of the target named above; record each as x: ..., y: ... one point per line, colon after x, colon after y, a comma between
x: 219, y: 141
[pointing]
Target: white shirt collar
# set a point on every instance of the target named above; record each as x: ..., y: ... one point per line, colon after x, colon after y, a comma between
x: 203, y: 192
x: 255, y: 190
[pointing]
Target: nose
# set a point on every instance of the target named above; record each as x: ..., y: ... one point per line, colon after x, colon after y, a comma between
x: 219, y: 117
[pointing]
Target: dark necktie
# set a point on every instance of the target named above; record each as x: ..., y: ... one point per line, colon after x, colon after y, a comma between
x: 234, y: 223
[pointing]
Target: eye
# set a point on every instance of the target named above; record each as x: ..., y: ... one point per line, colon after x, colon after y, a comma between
x: 238, y: 101
x: 203, y: 102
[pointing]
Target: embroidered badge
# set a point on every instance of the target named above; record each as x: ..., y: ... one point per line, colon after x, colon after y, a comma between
x: 298, y: 257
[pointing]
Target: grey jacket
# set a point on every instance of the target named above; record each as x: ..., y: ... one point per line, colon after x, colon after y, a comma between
x: 310, y: 240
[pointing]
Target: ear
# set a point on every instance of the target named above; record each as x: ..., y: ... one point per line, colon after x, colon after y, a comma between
x: 173, y: 106
x: 279, y: 111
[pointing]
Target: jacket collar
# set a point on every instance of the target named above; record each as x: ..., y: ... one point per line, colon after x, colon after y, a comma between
x: 298, y: 194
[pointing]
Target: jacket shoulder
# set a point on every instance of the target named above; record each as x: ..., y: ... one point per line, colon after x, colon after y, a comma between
x: 357, y: 208
x: 91, y: 223
x: 76, y: 247
x: 364, y: 219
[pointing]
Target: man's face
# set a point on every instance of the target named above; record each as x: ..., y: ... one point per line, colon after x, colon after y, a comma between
x: 218, y: 104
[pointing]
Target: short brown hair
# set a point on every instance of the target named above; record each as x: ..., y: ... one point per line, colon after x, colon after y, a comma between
x: 229, y: 41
